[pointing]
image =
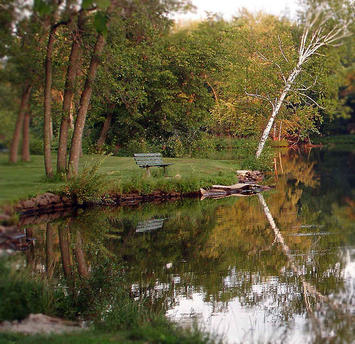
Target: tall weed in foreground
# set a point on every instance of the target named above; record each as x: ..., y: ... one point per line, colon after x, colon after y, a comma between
x: 88, y: 185
x: 22, y: 294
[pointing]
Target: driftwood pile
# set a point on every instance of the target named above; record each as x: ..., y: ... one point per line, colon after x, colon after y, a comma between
x: 247, y: 186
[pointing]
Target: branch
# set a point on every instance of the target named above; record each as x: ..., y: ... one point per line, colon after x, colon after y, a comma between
x: 320, y: 39
x: 255, y: 95
x: 289, y: 103
x: 311, y: 99
x: 276, y: 64
x: 281, y: 49
x: 307, y: 88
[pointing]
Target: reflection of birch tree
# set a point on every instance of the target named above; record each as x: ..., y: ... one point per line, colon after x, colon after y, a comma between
x: 308, y: 289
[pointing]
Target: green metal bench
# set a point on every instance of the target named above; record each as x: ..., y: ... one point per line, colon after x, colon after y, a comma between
x: 147, y: 160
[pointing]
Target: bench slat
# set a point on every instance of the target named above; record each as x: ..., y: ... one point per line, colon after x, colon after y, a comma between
x: 146, y: 160
x: 144, y: 155
x: 150, y: 160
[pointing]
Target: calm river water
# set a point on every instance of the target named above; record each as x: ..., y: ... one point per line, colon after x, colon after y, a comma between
x: 221, y: 264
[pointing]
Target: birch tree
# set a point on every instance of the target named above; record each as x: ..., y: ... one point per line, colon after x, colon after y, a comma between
x: 319, y: 31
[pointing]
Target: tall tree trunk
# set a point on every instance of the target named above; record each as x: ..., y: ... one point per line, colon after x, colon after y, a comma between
x: 84, y: 105
x: 277, y: 107
x: 19, y: 123
x: 80, y: 257
x: 104, y: 131
x: 48, y: 104
x: 74, y: 64
x: 26, y: 137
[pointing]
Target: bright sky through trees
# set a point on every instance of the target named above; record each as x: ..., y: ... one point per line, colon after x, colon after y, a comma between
x: 228, y: 8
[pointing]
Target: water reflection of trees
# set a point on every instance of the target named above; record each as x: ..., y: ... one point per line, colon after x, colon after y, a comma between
x: 223, y: 249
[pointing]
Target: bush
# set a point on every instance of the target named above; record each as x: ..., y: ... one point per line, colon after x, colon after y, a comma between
x: 88, y: 185
x: 174, y: 147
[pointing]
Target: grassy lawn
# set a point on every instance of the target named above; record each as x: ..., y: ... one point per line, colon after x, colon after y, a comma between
x: 144, y: 335
x: 27, y: 179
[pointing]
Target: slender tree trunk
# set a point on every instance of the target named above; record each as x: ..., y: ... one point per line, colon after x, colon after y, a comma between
x: 104, y: 131
x: 19, y: 123
x: 26, y: 137
x: 80, y: 257
x: 48, y: 104
x: 74, y: 64
x: 276, y: 109
x: 84, y: 105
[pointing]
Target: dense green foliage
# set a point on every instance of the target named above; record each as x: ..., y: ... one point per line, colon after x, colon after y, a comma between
x: 173, y: 89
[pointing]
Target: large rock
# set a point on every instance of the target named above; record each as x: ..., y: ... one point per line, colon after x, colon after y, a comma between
x: 40, y: 323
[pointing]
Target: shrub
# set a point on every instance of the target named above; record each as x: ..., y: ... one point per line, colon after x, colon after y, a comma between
x: 174, y: 147
x: 88, y: 185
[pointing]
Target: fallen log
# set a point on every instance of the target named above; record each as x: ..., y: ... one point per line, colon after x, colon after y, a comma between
x: 239, y: 189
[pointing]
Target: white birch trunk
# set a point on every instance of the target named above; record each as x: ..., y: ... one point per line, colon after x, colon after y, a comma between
x: 313, y: 38
x: 276, y: 109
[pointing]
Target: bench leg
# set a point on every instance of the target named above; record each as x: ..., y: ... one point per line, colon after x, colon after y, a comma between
x: 164, y: 167
x: 147, y: 171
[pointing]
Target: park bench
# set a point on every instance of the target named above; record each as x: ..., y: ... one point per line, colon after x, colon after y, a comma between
x: 147, y: 160
x: 149, y: 225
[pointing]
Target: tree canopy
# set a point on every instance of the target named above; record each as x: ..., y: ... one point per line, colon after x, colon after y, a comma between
x: 140, y: 82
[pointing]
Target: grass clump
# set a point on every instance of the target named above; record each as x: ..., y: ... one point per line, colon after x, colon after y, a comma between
x: 22, y: 294
x: 88, y: 185
x: 174, y: 184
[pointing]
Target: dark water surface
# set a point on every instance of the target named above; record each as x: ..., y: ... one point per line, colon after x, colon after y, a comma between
x: 220, y: 262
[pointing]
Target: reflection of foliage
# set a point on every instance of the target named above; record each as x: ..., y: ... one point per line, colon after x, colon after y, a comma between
x: 223, y: 249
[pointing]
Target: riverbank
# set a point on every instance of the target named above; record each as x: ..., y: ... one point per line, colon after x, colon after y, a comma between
x: 26, y: 180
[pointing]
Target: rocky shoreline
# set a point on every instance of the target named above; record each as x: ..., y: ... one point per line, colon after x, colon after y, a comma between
x: 50, y: 203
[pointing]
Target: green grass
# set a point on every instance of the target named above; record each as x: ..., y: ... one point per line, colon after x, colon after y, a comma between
x: 154, y: 334
x: 25, y: 180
